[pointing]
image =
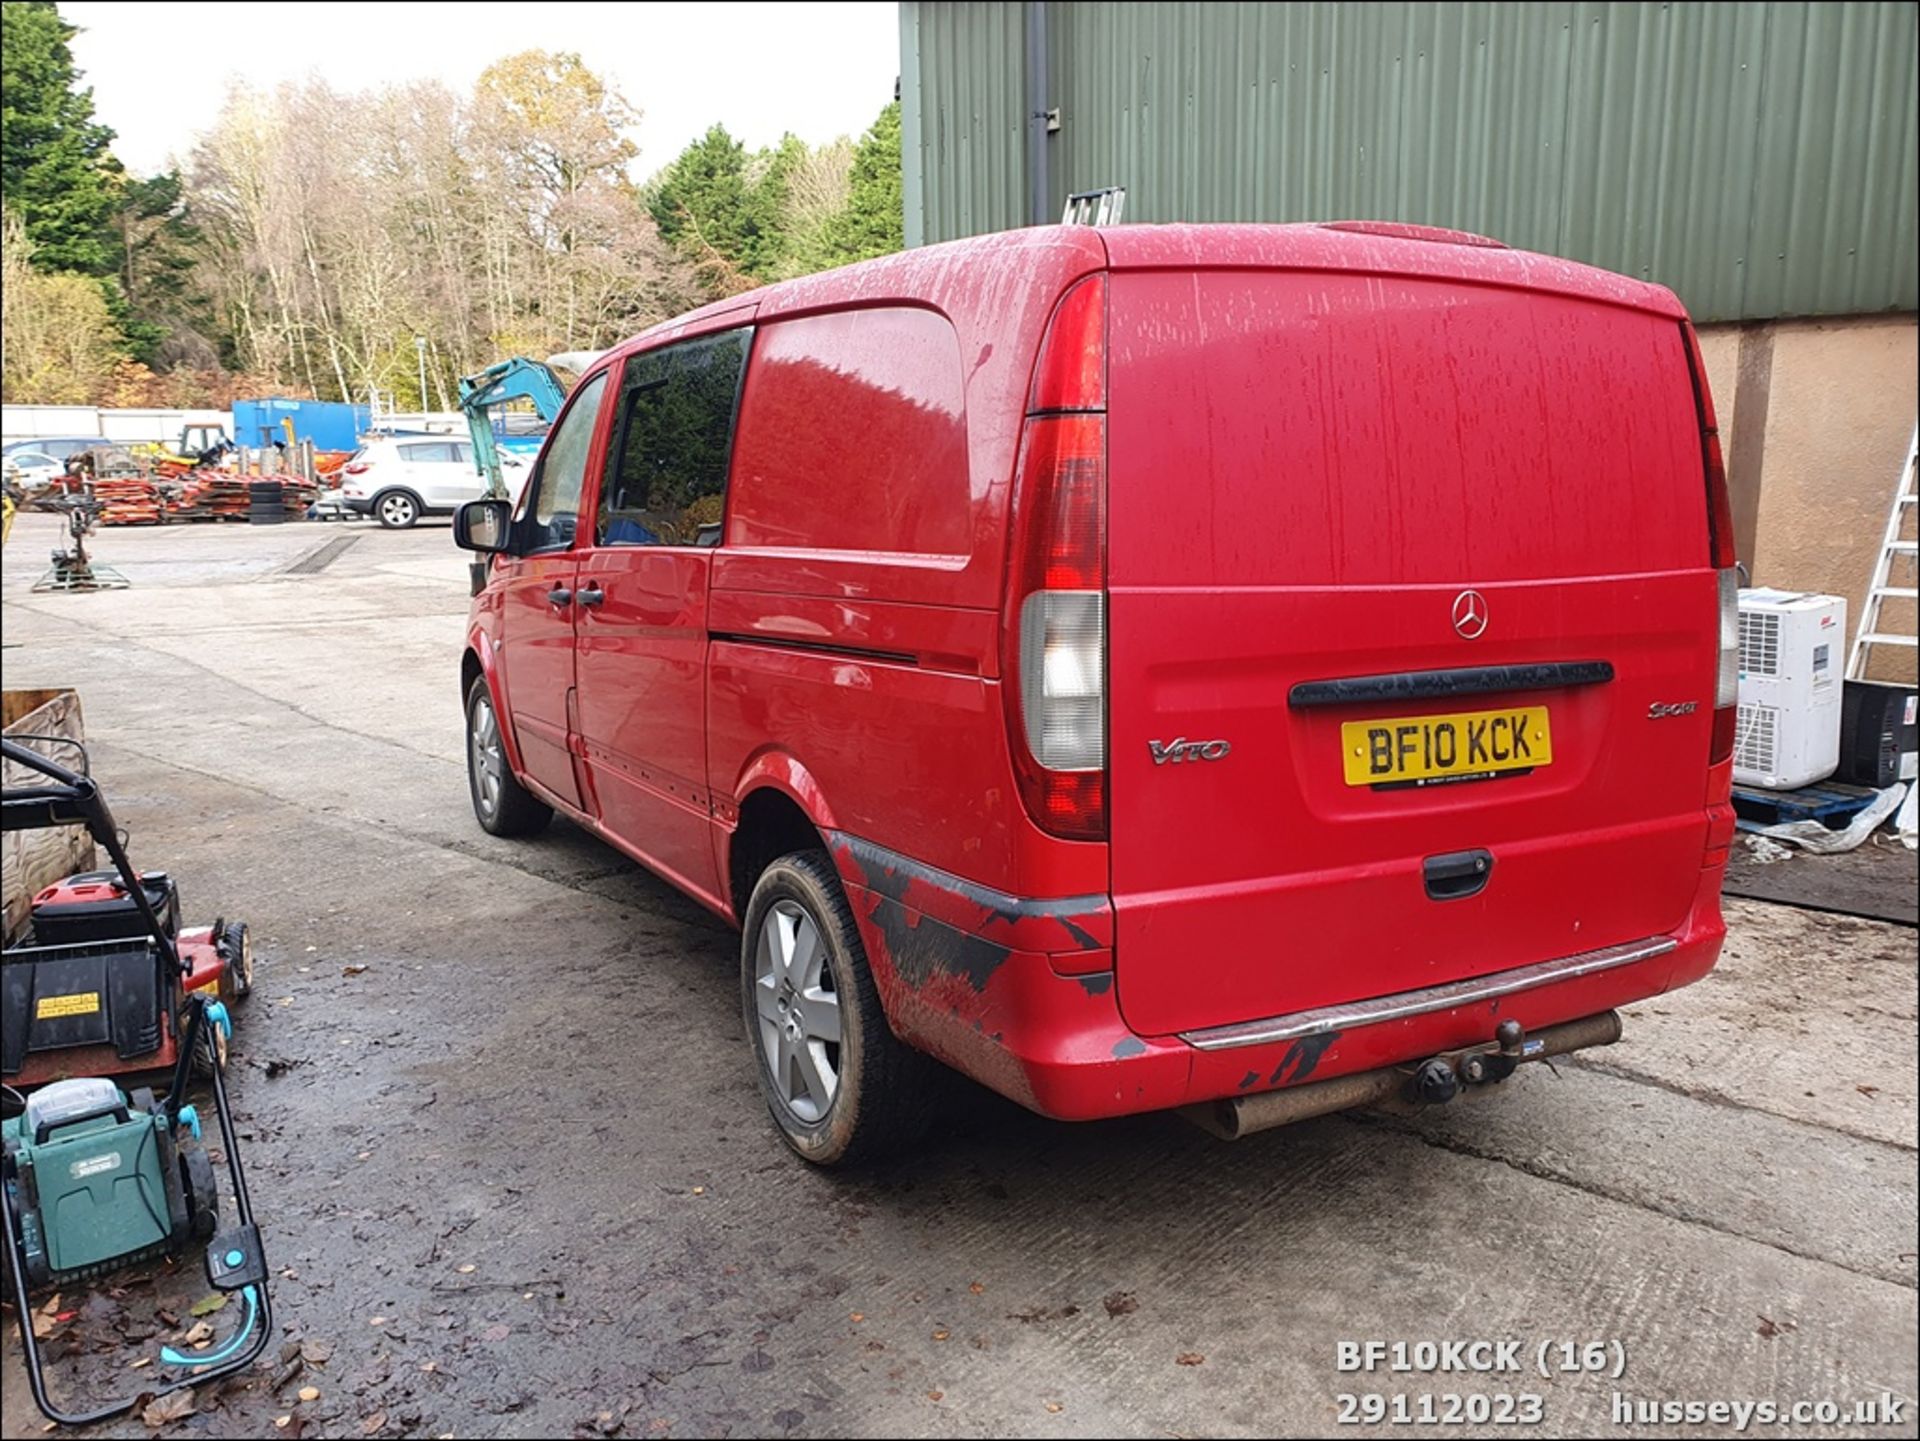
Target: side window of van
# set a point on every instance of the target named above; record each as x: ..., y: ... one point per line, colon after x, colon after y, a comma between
x: 666, y: 477
x: 555, y: 507
x: 853, y: 436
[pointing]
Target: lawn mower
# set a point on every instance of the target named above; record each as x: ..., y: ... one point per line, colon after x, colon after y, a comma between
x: 98, y: 987
x: 93, y: 1179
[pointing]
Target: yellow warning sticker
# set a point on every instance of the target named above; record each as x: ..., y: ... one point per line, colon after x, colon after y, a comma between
x: 52, y: 1008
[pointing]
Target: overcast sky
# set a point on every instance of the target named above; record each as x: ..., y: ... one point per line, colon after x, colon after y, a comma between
x: 160, y: 72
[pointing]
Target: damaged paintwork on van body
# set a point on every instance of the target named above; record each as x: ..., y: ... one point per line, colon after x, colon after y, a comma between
x: 940, y: 924
x: 1017, y: 993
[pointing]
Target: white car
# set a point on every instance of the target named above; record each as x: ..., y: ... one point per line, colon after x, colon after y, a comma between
x: 401, y: 478
x: 35, y: 464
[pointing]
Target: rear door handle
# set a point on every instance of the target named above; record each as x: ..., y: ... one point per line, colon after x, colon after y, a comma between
x: 559, y: 595
x: 592, y: 595
x: 1457, y: 875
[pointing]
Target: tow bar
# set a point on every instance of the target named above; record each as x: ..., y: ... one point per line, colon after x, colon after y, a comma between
x: 1432, y: 1082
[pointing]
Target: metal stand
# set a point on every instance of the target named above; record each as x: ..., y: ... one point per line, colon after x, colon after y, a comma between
x: 74, y: 569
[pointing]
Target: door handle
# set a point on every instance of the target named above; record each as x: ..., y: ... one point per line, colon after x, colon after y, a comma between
x: 592, y: 595
x: 559, y: 595
x: 1457, y: 875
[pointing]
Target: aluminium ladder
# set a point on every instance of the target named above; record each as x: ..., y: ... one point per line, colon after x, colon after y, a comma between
x: 1895, y: 544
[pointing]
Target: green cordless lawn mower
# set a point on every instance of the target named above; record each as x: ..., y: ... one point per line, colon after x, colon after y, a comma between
x: 94, y: 1178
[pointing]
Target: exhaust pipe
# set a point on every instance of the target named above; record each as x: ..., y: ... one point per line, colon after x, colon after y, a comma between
x: 1239, y: 1116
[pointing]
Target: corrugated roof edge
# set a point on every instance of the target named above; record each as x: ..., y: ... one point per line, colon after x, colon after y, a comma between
x: 1316, y: 246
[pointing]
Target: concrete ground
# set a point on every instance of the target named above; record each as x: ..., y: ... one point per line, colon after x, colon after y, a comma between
x: 517, y: 1181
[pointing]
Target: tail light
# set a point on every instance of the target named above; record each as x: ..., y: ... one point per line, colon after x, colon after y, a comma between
x: 357, y: 467
x: 1058, y: 619
x: 1726, y: 686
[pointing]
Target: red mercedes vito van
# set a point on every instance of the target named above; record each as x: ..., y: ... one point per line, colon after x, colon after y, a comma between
x: 1256, y: 669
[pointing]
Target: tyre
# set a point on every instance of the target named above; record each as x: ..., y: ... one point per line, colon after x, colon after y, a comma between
x: 211, y: 1050
x: 236, y: 947
x: 203, y: 1196
x: 396, y: 509
x: 501, y: 804
x: 837, y: 1082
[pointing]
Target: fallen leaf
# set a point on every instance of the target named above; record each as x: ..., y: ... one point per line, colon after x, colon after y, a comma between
x: 940, y: 1335
x: 174, y: 1406
x: 1121, y: 1303
x: 168, y: 1318
x: 1769, y: 1328
x: 429, y: 1366
x: 936, y: 1395
x: 467, y: 1270
x: 352, y: 970
x: 316, y: 1353
x: 309, y: 1393
x: 199, y: 1332
x: 856, y: 1317
x: 373, y: 1423
x: 1189, y: 1358
x: 207, y: 1305
x: 1055, y: 1407
x: 977, y: 1289
x: 283, y: 1421
x: 376, y: 1320
x: 699, y: 1190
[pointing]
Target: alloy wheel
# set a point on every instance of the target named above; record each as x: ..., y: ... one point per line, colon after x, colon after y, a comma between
x: 797, y: 1006
x: 483, y: 755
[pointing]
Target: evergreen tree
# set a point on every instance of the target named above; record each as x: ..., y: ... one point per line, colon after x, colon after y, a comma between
x: 56, y: 170
x: 724, y: 209
x: 874, y: 221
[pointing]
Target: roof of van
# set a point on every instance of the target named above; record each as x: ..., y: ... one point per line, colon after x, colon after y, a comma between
x: 1382, y: 248
x: 984, y: 265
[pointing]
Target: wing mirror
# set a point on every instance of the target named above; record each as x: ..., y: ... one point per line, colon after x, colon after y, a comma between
x: 483, y: 525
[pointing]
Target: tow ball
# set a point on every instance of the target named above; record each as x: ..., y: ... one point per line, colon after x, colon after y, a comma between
x: 1438, y: 1080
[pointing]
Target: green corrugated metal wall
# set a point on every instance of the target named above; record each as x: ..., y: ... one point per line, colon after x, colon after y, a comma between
x: 1758, y: 158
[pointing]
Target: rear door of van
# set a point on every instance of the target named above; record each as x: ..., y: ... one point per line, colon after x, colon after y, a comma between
x: 1412, y: 634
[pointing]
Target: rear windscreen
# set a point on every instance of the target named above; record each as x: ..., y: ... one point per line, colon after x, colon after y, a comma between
x: 1273, y: 428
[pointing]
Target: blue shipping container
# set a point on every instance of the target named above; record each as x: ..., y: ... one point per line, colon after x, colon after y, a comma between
x: 329, y: 424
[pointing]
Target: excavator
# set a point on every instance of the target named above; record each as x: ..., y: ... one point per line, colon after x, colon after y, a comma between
x: 516, y: 378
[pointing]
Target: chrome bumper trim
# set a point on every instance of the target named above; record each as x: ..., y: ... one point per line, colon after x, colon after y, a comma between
x: 1351, y: 1014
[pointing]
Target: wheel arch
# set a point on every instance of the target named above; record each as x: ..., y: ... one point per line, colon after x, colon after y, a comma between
x: 780, y: 809
x: 479, y: 661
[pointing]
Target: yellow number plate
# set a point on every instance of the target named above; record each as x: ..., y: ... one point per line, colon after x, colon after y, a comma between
x: 1430, y: 749
x: 52, y: 1008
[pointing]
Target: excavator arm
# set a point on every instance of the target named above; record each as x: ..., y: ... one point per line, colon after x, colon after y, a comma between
x: 514, y: 379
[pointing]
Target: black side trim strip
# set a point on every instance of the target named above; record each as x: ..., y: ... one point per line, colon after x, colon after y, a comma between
x: 1469, y: 680
x: 820, y: 647
x: 1013, y: 908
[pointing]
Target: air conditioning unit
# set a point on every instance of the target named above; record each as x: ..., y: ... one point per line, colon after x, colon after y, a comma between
x: 1792, y: 650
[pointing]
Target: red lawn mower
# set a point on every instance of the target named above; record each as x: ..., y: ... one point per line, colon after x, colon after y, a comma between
x: 99, y: 985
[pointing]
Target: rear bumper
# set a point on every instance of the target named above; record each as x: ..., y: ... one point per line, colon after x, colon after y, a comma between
x: 1020, y: 996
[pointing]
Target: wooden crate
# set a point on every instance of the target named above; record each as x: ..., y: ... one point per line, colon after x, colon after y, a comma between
x: 30, y: 860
